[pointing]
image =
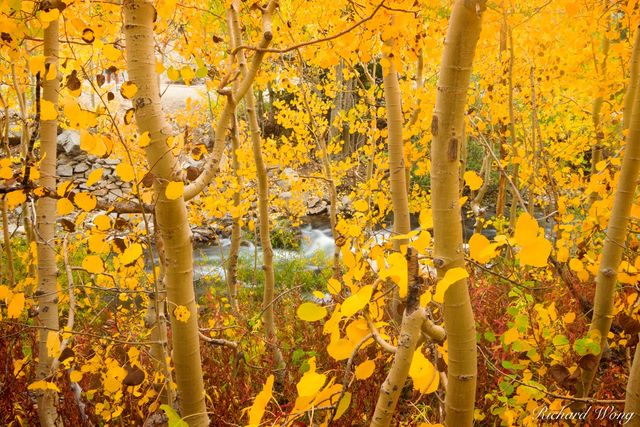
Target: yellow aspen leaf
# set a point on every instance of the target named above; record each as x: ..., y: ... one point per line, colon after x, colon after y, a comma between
x: 43, y: 385
x: 310, y: 312
x: 182, y: 313
x: 131, y: 254
x: 576, y: 265
x: 334, y: 286
x: 15, y: 306
x: 94, y: 176
x: 173, y: 74
x: 113, y: 378
x: 569, y: 317
x: 174, y: 190
x: 339, y: 349
x: 187, y: 74
x: 397, y: 271
x: 331, y: 325
x: 102, y: 222
x: 48, y: 110
x: 343, y: 405
x: 357, y: 301
x: 36, y: 64
x: 16, y: 198
x: 450, y: 277
x: 256, y: 412
x: 473, y: 180
x: 144, y: 140
x: 510, y: 336
x: 128, y: 90
x: 159, y: 67
x: 361, y: 205
x: 426, y: 219
x: 5, y: 292
x: 563, y: 254
x: 421, y: 244
x: 64, y: 206
x: 93, y: 264
x: 53, y: 344
x: 425, y: 377
x: 311, y: 382
x: 535, y: 254
x: 480, y: 249
x: 365, y: 369
x: 354, y: 230
x: 75, y: 376
x: 85, y: 201
x: 52, y: 73
x: 125, y: 172
x: 526, y: 230
x: 111, y: 53
x: 97, y: 244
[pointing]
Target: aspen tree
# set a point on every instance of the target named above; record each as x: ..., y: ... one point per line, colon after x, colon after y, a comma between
x: 616, y: 234
x: 171, y: 212
x: 47, y: 295
x: 413, y: 320
x: 446, y: 128
x: 263, y: 193
x: 395, y: 144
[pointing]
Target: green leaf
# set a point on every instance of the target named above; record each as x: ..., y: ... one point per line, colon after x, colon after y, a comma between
x: 174, y: 418
x: 560, y: 340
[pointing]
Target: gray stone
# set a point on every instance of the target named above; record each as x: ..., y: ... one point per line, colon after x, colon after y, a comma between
x: 81, y: 167
x: 70, y: 141
x: 65, y: 170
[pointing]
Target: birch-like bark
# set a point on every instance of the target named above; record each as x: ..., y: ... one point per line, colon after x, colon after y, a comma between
x: 446, y: 127
x: 171, y: 215
x: 614, y: 242
x: 410, y: 331
x: 397, y: 172
x: 47, y: 295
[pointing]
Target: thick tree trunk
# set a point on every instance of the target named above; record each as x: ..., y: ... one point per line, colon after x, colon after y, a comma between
x: 171, y: 215
x: 447, y: 125
x: 45, y: 236
x: 263, y: 202
x: 614, y: 243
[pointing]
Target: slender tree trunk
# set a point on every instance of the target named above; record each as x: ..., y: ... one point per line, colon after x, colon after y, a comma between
x: 534, y: 143
x: 597, y: 150
x: 502, y: 180
x: 45, y: 236
x: 410, y: 329
x: 614, y: 243
x: 5, y: 217
x: 512, y: 131
x: 634, y: 75
x: 155, y: 319
x: 263, y: 205
x: 236, y: 231
x: 171, y: 215
x: 446, y: 128
x: 397, y: 171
